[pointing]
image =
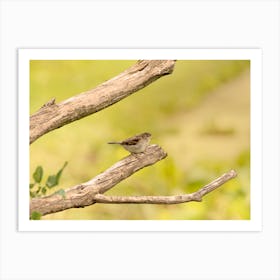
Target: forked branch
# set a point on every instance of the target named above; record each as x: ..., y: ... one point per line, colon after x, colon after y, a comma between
x: 92, y: 191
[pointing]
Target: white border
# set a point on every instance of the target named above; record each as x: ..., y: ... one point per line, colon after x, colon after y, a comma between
x: 254, y: 55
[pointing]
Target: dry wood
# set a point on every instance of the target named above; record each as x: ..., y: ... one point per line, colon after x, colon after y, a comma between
x: 173, y: 199
x: 91, y: 192
x: 52, y: 116
x: 84, y: 194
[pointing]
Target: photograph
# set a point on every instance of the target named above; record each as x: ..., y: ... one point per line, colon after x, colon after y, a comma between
x: 139, y: 139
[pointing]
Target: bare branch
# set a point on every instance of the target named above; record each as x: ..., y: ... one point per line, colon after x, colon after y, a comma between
x: 52, y: 116
x: 84, y: 194
x: 91, y: 191
x: 174, y: 199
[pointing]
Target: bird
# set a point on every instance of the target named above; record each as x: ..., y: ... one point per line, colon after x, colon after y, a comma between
x: 136, y: 144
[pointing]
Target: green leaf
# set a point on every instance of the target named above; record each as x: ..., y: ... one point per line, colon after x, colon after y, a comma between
x: 60, y: 172
x: 38, y: 190
x: 31, y: 186
x: 61, y: 192
x: 38, y: 174
x: 44, y: 190
x: 32, y: 194
x: 51, y: 181
x: 35, y: 216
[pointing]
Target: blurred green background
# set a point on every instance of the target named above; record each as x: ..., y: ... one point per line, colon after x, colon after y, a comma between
x: 200, y: 115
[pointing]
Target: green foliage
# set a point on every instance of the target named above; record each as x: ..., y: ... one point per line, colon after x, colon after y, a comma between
x: 38, y: 174
x: 52, y: 181
x: 35, y: 216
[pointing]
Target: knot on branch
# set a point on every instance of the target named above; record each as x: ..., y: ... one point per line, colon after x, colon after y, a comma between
x: 49, y: 103
x: 197, y: 197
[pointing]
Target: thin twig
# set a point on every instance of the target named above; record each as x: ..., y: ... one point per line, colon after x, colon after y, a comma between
x: 174, y: 199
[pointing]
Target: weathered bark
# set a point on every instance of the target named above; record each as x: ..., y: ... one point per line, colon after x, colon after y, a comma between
x: 91, y: 192
x: 84, y: 194
x: 52, y: 116
x: 172, y: 199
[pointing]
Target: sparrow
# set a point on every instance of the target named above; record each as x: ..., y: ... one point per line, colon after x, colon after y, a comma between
x: 135, y: 144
